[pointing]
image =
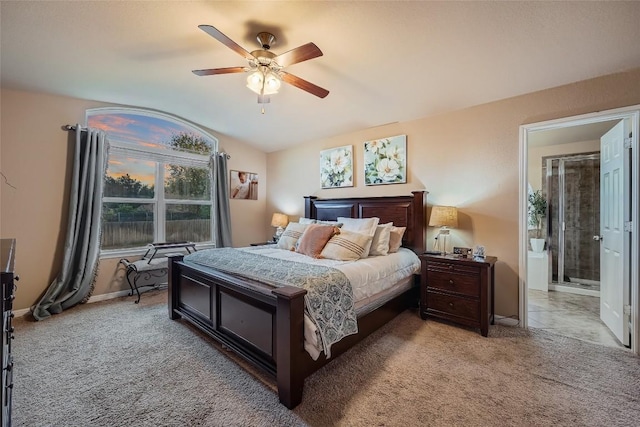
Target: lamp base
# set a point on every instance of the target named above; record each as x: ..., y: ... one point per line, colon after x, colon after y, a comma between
x: 279, y: 232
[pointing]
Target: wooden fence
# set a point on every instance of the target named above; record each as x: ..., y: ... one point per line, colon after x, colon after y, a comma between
x: 117, y: 235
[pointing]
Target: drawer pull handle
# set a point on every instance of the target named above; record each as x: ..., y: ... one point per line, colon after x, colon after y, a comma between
x: 451, y: 304
x: 450, y: 281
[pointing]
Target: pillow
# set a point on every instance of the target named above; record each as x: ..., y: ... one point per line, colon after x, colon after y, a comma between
x: 291, y: 235
x: 346, y: 246
x: 365, y: 226
x: 395, y: 238
x: 314, y: 238
x: 317, y: 221
x: 380, y: 242
x: 336, y: 223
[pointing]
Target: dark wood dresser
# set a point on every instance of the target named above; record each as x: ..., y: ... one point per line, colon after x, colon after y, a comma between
x: 458, y: 290
x: 7, y: 253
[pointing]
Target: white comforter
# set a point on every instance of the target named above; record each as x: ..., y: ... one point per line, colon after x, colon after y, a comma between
x: 368, y: 277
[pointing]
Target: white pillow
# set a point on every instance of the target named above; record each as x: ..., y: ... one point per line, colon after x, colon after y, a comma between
x: 306, y: 221
x: 346, y: 246
x: 366, y: 226
x: 380, y: 243
x: 291, y: 235
x: 395, y: 238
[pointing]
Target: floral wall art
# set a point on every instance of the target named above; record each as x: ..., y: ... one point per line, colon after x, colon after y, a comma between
x: 336, y: 167
x: 385, y: 160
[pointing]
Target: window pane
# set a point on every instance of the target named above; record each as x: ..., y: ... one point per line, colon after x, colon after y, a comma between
x: 127, y: 225
x: 190, y: 223
x: 128, y: 177
x: 186, y: 183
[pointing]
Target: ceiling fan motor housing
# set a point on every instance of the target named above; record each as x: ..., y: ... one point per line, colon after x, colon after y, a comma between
x: 266, y: 40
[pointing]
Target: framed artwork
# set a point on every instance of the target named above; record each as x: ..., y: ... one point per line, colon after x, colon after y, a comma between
x: 243, y: 185
x: 385, y: 161
x: 336, y: 167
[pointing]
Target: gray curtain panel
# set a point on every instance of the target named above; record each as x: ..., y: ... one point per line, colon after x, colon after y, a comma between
x: 75, y: 280
x: 220, y: 189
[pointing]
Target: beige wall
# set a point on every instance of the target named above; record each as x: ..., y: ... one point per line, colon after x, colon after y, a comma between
x: 35, y: 160
x: 467, y: 158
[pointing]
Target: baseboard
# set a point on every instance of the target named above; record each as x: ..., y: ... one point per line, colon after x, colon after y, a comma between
x: 96, y: 298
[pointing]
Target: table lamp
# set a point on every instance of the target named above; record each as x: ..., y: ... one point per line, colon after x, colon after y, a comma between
x: 444, y: 217
x: 279, y: 221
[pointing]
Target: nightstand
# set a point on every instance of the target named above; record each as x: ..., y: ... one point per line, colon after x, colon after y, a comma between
x: 263, y: 243
x: 458, y: 290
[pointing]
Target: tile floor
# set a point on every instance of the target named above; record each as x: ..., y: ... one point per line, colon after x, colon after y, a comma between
x: 572, y: 315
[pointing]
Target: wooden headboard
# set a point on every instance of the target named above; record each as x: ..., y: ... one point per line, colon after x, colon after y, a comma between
x: 403, y: 211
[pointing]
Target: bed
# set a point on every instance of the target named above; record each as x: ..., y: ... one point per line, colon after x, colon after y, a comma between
x: 264, y: 324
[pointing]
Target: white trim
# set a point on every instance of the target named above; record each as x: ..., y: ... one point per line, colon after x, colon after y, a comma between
x: 632, y: 113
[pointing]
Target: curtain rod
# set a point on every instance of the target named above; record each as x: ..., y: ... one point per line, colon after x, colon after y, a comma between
x: 72, y: 127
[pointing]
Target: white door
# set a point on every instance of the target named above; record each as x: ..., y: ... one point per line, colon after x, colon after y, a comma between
x: 614, y: 243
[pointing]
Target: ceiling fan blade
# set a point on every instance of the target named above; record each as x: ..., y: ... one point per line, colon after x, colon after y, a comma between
x: 213, y: 71
x: 299, y: 54
x: 304, y: 85
x: 216, y: 34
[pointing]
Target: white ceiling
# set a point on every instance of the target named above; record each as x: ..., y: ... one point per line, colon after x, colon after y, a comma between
x: 383, y: 62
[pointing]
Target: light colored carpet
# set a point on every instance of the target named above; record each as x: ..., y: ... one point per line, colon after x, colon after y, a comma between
x: 115, y: 363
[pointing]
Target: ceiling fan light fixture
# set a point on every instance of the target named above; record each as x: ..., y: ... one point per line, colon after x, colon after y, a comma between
x: 255, y: 81
x: 263, y: 82
x: 271, y: 83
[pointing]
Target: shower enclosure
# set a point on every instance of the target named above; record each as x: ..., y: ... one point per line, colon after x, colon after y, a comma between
x: 573, y: 198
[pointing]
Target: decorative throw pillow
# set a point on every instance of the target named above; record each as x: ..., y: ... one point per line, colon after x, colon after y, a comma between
x: 380, y: 243
x: 291, y: 235
x: 314, y: 238
x: 365, y: 226
x: 346, y: 246
x: 395, y: 238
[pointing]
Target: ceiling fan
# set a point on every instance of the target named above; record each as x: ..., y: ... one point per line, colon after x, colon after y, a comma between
x: 266, y: 67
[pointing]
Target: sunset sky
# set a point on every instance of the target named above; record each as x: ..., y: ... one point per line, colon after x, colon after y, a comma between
x: 145, y: 130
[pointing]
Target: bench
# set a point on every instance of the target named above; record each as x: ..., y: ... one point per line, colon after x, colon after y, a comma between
x: 152, y: 267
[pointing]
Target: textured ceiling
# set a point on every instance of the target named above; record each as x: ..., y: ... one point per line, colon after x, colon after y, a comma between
x: 383, y: 61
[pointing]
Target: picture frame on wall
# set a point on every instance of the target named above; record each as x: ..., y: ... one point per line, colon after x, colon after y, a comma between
x: 336, y: 167
x: 243, y: 185
x: 385, y: 160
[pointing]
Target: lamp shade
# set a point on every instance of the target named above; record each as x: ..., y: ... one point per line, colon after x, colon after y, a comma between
x: 444, y: 216
x: 279, y: 220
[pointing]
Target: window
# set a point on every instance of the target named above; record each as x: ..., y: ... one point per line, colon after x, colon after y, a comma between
x: 157, y: 182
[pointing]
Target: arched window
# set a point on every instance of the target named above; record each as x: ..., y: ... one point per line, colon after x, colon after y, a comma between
x: 157, y: 183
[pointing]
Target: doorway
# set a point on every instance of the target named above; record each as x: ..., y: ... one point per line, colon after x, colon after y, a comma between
x: 569, y: 148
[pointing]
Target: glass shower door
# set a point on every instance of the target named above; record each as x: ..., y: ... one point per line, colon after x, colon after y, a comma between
x: 582, y: 220
x: 574, y: 201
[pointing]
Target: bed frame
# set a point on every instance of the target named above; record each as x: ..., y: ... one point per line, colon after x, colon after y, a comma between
x: 264, y: 324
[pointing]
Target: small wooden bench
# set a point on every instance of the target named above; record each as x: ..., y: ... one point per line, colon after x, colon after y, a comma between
x: 152, y: 266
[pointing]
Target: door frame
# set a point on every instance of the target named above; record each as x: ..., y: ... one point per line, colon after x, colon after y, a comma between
x: 631, y: 113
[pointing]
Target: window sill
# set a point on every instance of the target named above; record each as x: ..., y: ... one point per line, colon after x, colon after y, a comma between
x: 131, y: 252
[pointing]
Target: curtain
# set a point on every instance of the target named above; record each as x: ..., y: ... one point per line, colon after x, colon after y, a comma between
x: 75, y: 280
x: 220, y: 190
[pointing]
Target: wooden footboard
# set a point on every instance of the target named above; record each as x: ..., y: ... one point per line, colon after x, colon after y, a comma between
x: 262, y: 324
x: 265, y: 324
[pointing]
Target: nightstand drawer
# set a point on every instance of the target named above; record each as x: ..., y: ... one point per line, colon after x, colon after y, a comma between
x: 458, y: 283
x: 446, y: 267
x: 453, y: 306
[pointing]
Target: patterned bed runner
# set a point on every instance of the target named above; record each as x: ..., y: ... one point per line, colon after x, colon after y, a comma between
x: 329, y: 298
